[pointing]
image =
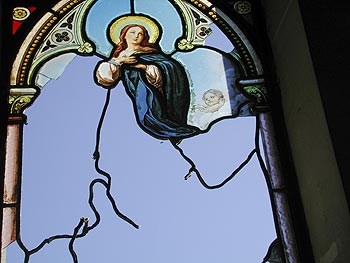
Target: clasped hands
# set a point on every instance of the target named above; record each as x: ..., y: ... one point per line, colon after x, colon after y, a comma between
x: 131, y: 61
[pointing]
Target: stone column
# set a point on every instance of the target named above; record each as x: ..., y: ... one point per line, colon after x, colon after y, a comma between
x: 12, y: 182
x: 19, y: 99
x: 277, y: 189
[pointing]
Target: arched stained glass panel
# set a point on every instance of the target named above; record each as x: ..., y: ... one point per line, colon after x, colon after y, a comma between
x: 154, y: 91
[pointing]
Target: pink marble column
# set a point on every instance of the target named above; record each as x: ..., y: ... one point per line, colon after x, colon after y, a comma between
x: 12, y: 180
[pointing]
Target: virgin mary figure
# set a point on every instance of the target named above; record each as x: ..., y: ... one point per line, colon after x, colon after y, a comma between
x: 157, y: 84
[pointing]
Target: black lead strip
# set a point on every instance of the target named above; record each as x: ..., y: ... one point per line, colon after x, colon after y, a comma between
x: 84, y: 221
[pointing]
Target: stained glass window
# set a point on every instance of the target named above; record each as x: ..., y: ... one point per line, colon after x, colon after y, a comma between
x: 146, y: 113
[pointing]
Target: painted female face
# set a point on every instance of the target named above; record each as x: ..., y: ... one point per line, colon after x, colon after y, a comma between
x: 211, y: 99
x: 134, y: 35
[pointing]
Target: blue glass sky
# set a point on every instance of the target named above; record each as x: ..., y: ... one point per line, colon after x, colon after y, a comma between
x: 180, y: 220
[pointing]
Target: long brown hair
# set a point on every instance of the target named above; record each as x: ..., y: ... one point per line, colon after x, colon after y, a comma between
x: 123, y: 45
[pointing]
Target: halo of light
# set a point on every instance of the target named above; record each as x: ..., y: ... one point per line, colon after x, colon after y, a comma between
x: 117, y: 26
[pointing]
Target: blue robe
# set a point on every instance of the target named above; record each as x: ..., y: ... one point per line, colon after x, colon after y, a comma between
x: 161, y: 114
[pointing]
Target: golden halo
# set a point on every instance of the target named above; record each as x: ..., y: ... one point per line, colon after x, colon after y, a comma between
x: 120, y: 23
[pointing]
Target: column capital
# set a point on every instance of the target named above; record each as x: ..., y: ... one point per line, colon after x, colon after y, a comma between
x: 21, y: 98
